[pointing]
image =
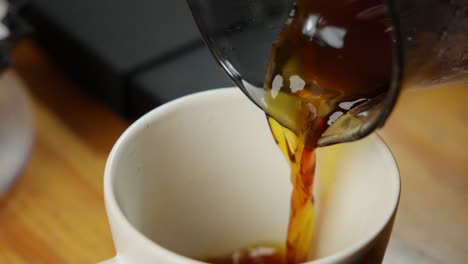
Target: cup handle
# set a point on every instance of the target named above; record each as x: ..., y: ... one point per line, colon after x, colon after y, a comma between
x: 110, y: 261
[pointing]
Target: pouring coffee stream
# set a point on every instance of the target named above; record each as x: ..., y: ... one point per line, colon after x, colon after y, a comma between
x: 428, y: 48
x: 327, y: 72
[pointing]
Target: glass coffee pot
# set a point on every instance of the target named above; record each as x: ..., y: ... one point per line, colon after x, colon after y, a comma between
x: 429, y: 48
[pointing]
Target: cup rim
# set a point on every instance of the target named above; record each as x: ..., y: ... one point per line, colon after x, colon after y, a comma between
x: 114, y: 211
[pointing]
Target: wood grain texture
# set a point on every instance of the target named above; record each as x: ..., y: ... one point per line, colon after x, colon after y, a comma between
x: 55, y: 212
x: 428, y: 134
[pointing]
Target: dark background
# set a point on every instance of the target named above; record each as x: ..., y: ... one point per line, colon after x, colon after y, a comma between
x: 132, y: 55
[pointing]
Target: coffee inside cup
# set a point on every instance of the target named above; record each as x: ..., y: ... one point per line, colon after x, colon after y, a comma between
x: 204, y: 183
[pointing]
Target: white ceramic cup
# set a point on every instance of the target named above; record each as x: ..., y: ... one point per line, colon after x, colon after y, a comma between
x: 201, y: 177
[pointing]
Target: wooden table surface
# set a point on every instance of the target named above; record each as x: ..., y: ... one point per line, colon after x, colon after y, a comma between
x: 55, y: 211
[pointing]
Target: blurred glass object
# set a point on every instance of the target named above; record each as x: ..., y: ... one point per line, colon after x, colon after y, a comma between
x: 16, y: 122
x: 16, y: 128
